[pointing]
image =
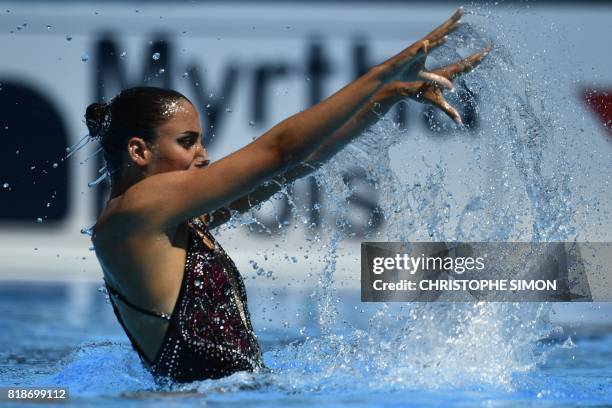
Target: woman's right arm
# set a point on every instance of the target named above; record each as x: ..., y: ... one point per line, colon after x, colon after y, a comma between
x: 368, y: 114
x: 169, y: 198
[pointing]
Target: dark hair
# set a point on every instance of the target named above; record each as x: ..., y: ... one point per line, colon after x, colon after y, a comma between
x: 134, y: 112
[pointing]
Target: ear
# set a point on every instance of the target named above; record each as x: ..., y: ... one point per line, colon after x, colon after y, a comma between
x: 139, y: 152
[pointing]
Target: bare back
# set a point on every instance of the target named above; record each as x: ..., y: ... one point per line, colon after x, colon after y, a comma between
x: 146, y: 266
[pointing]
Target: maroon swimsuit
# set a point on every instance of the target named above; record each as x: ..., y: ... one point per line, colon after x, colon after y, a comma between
x: 209, y: 332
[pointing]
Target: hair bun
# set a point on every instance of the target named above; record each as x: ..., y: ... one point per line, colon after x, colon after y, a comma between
x: 95, y: 119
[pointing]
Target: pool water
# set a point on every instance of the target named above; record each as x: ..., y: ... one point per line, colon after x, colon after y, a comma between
x: 49, y: 338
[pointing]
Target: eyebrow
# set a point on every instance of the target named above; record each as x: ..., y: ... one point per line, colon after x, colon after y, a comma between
x: 190, y: 133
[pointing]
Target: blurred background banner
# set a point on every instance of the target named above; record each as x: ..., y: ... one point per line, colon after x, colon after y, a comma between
x: 245, y: 65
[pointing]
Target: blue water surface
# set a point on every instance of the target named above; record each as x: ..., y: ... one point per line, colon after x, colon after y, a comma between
x: 49, y: 338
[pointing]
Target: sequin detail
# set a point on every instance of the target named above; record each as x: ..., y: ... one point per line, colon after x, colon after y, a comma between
x: 209, y: 333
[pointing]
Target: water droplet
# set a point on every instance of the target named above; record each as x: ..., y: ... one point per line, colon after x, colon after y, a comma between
x: 251, y: 123
x: 185, y: 74
x: 123, y: 54
x: 68, y: 38
x: 16, y: 151
x: 48, y: 205
x: 49, y: 27
x: 54, y: 165
x: 161, y: 71
x: 568, y: 344
x: 87, y: 231
x: 85, y: 57
x: 156, y: 56
x: 5, y: 185
x: 39, y: 220
x: 377, y: 108
x: 32, y: 167
x: 98, y: 180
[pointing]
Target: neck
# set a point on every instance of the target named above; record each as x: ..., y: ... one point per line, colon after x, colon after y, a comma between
x: 123, y: 182
x: 117, y: 189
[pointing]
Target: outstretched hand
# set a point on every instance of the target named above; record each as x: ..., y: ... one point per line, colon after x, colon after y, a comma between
x: 408, y: 77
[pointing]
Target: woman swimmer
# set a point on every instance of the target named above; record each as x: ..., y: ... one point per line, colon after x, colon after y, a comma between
x: 178, y: 296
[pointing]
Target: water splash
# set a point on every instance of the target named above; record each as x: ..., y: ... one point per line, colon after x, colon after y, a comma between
x: 78, y: 145
x: 94, y: 154
x: 87, y: 230
x: 568, y: 343
x: 521, y: 154
x: 113, y: 367
x: 102, y: 171
x: 430, y: 346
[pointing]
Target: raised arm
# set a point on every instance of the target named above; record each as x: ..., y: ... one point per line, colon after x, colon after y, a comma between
x: 426, y: 91
x: 169, y: 198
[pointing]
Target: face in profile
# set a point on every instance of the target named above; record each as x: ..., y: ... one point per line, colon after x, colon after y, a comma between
x: 179, y: 141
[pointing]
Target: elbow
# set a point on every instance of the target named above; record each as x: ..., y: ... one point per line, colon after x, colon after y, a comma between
x: 286, y: 154
x: 283, y: 153
x: 279, y: 158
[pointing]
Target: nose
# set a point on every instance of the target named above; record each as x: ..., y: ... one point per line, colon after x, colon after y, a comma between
x: 201, y: 151
x: 201, y: 156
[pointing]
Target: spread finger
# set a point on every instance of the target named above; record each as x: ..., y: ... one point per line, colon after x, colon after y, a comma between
x: 445, y: 27
x: 437, y: 79
x: 465, y: 65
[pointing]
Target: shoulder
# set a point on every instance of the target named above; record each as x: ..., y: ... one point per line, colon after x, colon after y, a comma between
x: 117, y: 222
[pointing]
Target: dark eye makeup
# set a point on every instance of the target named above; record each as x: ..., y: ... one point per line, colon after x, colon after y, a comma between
x: 189, y: 139
x: 186, y: 141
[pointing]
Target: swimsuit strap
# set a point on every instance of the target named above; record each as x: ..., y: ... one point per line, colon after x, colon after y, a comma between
x: 200, y: 227
x: 119, y: 296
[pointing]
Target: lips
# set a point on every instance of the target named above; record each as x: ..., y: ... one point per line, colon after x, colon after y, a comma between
x: 202, y: 163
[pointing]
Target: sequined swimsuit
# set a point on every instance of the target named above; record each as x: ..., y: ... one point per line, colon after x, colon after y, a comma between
x: 209, y: 331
